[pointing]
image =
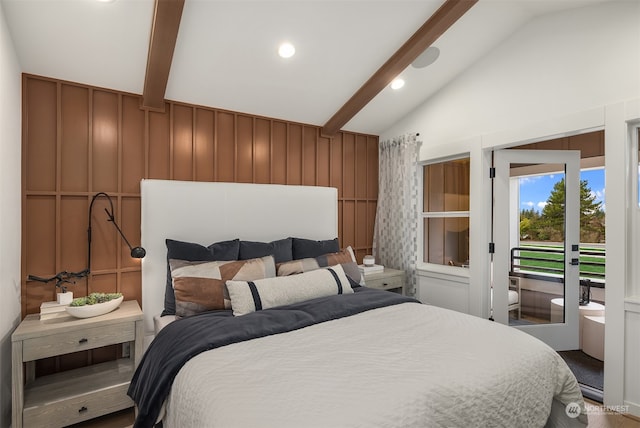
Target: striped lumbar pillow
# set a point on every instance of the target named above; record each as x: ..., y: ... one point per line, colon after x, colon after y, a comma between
x: 250, y: 296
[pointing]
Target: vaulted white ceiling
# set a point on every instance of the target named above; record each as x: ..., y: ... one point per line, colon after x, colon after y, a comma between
x: 226, y: 52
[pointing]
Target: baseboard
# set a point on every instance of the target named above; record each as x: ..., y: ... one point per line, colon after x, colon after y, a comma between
x: 592, y: 393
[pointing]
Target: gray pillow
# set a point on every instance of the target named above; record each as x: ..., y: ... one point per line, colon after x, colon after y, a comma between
x: 308, y: 248
x: 281, y: 250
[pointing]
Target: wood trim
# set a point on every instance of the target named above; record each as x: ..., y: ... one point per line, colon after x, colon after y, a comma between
x: 164, y: 33
x: 430, y: 31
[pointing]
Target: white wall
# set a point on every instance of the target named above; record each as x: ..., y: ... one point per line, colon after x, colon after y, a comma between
x: 10, y: 202
x: 563, y: 73
x: 556, y: 65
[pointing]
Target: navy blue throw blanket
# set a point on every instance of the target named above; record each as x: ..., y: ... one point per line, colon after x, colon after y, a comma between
x: 185, y: 338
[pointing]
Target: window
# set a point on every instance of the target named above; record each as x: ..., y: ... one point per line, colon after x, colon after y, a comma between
x: 446, y: 212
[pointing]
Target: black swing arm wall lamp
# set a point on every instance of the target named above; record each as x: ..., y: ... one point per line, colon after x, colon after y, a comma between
x: 68, y: 277
x: 136, y: 252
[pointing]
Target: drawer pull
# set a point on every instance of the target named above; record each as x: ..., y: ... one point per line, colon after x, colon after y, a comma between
x: 83, y: 340
x: 82, y: 409
x: 385, y: 284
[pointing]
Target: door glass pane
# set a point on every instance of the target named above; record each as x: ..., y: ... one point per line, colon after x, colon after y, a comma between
x: 537, y: 236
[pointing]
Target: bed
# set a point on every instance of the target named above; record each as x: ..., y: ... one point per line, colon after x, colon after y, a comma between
x: 291, y: 351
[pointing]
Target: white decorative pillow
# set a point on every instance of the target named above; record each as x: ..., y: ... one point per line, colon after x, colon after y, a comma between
x: 251, y: 296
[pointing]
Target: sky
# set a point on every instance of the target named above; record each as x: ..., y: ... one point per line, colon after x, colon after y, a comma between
x: 535, y: 190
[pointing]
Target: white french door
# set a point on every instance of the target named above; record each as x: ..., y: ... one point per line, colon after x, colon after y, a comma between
x: 556, y: 295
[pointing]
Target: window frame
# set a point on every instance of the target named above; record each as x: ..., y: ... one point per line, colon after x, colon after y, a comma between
x: 437, y: 267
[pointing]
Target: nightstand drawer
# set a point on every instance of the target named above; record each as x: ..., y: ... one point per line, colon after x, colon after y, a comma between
x: 387, y: 283
x: 77, y: 340
x: 78, y: 409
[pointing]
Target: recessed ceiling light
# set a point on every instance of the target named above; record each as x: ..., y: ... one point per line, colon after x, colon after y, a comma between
x: 397, y: 83
x: 286, y: 50
x: 426, y: 58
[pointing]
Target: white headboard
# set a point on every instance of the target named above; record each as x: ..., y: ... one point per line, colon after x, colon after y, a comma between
x: 205, y: 212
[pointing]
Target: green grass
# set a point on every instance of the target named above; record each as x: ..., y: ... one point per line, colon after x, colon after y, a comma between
x: 556, y: 261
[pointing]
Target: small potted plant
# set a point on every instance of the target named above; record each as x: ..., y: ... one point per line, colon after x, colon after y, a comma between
x: 94, y: 304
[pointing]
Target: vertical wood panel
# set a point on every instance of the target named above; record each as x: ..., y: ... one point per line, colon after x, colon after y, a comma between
x: 349, y: 223
x: 244, y: 149
x: 159, y: 146
x: 323, y: 163
x: 341, y: 223
x: 73, y: 230
x: 309, y: 155
x: 294, y: 155
x: 348, y: 166
x: 103, y: 236
x: 361, y: 166
x: 75, y: 137
x: 131, y: 286
x: 279, y: 153
x: 132, y: 170
x: 105, y: 141
x: 129, y: 221
x: 41, y: 134
x: 182, y: 143
x: 39, y: 249
x: 105, y: 283
x: 262, y: 151
x: 225, y: 147
x: 361, y: 224
x: 40, y: 222
x: 372, y: 168
x: 336, y: 164
x: 204, y: 133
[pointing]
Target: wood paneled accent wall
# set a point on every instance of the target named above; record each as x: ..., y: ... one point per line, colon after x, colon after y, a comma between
x: 79, y: 140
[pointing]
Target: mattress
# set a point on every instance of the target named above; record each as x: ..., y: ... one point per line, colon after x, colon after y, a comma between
x: 400, y: 365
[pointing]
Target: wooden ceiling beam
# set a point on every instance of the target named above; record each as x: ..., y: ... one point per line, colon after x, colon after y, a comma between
x: 164, y: 33
x: 431, y: 30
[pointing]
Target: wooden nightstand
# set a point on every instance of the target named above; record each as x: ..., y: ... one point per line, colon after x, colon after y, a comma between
x: 388, y: 279
x: 73, y: 396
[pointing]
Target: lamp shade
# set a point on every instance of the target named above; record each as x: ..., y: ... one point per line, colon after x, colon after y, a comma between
x: 138, y: 252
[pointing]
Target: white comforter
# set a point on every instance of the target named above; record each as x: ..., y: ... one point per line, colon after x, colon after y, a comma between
x: 407, y: 365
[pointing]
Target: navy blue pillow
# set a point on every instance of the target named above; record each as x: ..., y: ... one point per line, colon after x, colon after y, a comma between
x: 281, y: 250
x: 191, y: 252
x: 308, y: 248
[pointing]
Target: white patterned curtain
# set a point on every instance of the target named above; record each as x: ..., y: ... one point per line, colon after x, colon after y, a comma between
x: 395, y: 235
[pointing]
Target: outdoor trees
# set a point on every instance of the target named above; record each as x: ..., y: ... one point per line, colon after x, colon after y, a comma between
x: 549, y: 224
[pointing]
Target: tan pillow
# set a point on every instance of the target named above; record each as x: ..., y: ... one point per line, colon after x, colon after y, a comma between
x: 343, y: 258
x: 200, y: 286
